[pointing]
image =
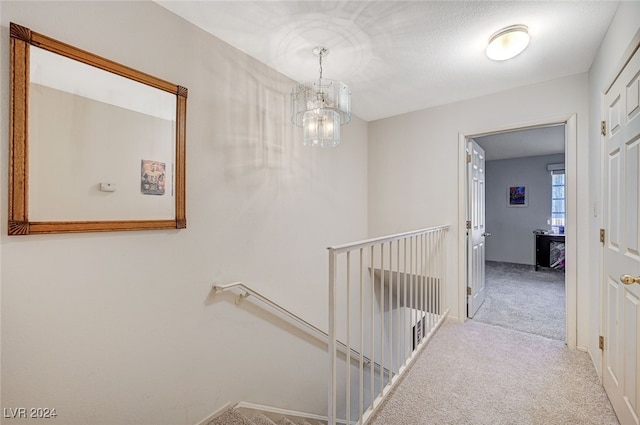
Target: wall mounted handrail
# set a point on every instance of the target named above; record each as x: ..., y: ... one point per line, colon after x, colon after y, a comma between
x: 300, y: 322
x: 319, y: 333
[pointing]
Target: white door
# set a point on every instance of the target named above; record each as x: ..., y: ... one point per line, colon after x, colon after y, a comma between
x: 476, y: 229
x: 621, y: 301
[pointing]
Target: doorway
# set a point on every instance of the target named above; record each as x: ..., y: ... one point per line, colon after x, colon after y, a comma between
x: 567, y: 128
x: 525, y: 216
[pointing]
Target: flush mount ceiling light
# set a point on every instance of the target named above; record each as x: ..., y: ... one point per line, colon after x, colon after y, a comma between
x: 321, y: 107
x: 508, y: 42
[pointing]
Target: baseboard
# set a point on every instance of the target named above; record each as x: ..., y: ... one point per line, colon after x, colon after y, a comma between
x: 596, y: 364
x: 214, y: 415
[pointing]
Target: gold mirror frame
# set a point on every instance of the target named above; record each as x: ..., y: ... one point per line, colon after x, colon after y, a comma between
x: 21, y: 40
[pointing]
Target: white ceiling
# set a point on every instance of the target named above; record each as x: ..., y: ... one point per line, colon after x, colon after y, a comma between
x: 523, y: 143
x: 402, y: 56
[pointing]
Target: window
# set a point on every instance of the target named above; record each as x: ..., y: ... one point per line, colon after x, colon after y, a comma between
x: 557, y: 199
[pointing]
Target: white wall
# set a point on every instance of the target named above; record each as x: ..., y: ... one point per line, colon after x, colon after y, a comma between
x: 115, y: 328
x: 414, y: 162
x: 624, y: 28
x: 511, y: 228
x: 74, y: 146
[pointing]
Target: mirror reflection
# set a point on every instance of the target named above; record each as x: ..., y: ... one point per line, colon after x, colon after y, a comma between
x: 102, y: 150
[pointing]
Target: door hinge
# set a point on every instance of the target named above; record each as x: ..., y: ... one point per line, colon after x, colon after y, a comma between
x: 601, y: 342
x: 468, y: 290
x: 468, y: 157
x: 468, y: 224
x: 601, y: 235
x: 603, y: 128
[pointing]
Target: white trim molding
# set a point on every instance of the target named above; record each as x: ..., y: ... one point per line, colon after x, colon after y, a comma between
x: 571, y: 232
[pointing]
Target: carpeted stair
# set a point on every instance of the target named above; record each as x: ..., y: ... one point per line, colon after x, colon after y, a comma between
x: 235, y: 417
x: 261, y: 419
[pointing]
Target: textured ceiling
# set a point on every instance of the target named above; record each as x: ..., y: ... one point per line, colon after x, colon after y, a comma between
x: 402, y: 56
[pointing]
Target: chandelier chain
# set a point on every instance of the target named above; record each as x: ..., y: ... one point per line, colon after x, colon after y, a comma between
x: 321, y: 95
x: 320, y: 54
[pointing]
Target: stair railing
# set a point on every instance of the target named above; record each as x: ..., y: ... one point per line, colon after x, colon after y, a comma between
x: 387, y: 296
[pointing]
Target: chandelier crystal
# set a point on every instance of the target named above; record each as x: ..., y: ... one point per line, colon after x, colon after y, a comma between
x: 321, y: 107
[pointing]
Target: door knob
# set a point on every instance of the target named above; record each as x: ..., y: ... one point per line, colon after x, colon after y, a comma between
x: 627, y: 279
x: 486, y: 234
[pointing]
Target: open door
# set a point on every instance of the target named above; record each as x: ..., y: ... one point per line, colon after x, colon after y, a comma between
x: 621, y: 285
x: 475, y: 227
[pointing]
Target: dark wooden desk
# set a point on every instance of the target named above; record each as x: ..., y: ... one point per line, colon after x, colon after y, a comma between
x: 543, y: 248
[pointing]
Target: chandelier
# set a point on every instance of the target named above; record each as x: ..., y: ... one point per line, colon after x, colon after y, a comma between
x: 321, y: 107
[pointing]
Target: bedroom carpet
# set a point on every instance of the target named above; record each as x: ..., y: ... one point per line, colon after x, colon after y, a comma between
x: 520, y: 298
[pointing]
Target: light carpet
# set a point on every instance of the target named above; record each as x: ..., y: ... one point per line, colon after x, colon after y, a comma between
x: 476, y: 374
x: 520, y: 298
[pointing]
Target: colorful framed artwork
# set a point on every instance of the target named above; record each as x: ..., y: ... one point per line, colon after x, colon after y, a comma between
x: 517, y: 196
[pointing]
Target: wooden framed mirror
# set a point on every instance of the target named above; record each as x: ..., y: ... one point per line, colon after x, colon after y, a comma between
x: 95, y: 146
